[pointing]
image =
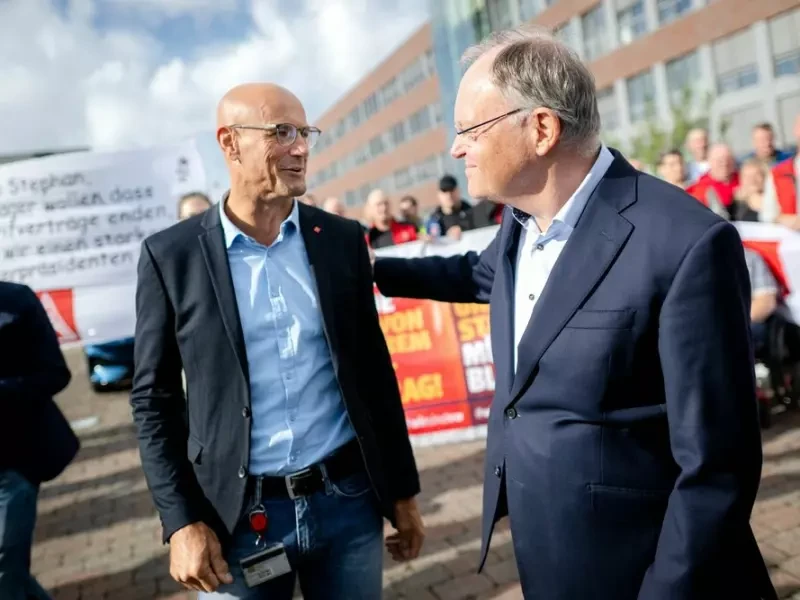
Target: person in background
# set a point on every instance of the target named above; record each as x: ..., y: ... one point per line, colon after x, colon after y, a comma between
x: 764, y: 146
x: 383, y: 229
x: 36, y: 441
x: 672, y: 169
x: 309, y: 200
x: 781, y: 189
x: 452, y: 216
x: 763, y: 297
x: 193, y: 204
x: 334, y: 206
x: 697, y: 147
x: 716, y: 187
x: 409, y: 213
x: 749, y: 196
x: 637, y: 164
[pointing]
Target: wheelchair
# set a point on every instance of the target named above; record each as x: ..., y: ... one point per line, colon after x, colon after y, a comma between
x: 777, y: 369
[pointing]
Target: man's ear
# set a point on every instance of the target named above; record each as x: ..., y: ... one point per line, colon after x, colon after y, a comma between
x: 228, y: 143
x: 545, y: 130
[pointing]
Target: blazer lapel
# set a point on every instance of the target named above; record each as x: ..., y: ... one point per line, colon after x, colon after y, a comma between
x: 212, y: 242
x: 502, y: 322
x: 595, y: 242
x: 318, y: 249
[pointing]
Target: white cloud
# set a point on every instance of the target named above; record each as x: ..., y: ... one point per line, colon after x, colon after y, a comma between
x: 66, y: 84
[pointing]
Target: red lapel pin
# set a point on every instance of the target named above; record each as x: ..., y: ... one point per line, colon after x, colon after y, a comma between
x: 317, y: 229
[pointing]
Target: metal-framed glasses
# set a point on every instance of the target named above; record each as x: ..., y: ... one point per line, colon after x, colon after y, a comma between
x: 490, y: 121
x: 286, y: 133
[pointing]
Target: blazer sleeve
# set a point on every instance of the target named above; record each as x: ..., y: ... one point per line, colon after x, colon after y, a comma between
x: 461, y: 278
x: 707, y: 361
x: 45, y: 372
x: 157, y: 402
x: 385, y: 406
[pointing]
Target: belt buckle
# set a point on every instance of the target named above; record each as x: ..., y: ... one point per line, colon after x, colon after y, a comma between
x: 289, y: 478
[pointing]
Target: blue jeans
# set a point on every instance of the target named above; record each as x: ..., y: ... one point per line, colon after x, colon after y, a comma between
x: 333, y: 540
x: 17, y: 520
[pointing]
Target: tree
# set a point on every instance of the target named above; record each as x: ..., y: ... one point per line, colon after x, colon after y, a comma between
x: 654, y: 137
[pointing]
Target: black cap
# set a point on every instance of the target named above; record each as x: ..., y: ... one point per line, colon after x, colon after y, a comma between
x: 447, y: 183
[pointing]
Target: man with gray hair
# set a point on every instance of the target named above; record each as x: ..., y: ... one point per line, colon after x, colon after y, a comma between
x: 623, y: 439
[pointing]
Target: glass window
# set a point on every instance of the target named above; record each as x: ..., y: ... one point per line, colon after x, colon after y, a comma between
x: 529, y: 9
x: 595, y: 33
x: 370, y: 106
x: 631, y: 20
x: 499, y: 14
x: 784, y: 32
x: 740, y: 126
x: 363, y: 192
x: 735, y: 62
x: 354, y: 117
x: 683, y: 74
x: 390, y: 91
x: 419, y: 121
x: 350, y: 198
x: 669, y: 10
x: 641, y: 96
x: 414, y: 74
x: 403, y: 179
x: 567, y: 34
x: 430, y: 63
x: 398, y: 133
x: 427, y: 169
x: 788, y: 109
x: 607, y: 107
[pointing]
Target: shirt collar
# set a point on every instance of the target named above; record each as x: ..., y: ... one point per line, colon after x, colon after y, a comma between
x: 573, y: 208
x: 231, y: 232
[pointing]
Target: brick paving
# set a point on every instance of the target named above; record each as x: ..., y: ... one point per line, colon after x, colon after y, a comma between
x: 98, y: 536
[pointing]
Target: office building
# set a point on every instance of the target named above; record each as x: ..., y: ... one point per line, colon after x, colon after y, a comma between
x: 387, y: 132
x: 645, y: 53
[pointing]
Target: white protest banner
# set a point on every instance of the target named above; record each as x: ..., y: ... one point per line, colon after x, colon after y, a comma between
x: 71, y: 226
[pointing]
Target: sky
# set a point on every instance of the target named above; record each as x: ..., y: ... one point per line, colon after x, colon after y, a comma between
x: 115, y: 74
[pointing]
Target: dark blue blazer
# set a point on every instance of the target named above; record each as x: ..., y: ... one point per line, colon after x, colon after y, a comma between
x: 626, y: 448
x: 35, y: 438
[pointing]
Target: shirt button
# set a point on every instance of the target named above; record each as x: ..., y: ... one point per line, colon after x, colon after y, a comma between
x: 242, y: 472
x: 497, y: 471
x: 540, y: 247
x: 511, y: 413
x: 531, y: 296
x: 245, y: 412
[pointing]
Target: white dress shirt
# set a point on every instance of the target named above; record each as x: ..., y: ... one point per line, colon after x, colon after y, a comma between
x: 538, y: 250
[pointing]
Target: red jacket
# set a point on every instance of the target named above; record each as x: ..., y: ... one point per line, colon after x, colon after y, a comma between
x: 401, y: 233
x: 724, y: 190
x: 784, y: 178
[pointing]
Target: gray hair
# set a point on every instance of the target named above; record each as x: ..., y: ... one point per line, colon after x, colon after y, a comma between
x: 534, y: 69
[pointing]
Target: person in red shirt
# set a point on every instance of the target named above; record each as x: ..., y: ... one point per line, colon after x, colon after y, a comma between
x: 384, y: 230
x: 716, y: 188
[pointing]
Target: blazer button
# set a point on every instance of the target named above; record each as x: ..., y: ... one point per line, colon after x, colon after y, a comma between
x: 498, y: 471
x: 512, y: 413
x: 242, y: 472
x: 245, y: 412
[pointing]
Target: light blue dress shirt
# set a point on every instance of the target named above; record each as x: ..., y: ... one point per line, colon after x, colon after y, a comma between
x: 298, y: 416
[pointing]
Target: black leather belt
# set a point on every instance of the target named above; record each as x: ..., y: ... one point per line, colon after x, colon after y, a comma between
x: 344, y: 462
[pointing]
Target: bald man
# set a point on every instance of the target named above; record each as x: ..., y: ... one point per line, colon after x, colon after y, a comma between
x: 384, y: 229
x: 294, y: 446
x: 334, y: 205
x: 193, y: 204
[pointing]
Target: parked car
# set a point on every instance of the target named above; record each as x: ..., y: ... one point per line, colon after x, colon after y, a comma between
x: 110, y: 365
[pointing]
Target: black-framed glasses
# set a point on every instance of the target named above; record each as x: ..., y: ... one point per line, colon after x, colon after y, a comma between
x: 286, y: 133
x: 490, y: 121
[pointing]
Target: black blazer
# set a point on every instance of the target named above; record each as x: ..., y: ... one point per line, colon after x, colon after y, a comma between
x: 35, y: 438
x: 195, y: 452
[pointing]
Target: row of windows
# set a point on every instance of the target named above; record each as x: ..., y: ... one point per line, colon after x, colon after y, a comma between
x: 735, y: 67
x: 418, y: 71
x: 428, y: 169
x: 426, y: 118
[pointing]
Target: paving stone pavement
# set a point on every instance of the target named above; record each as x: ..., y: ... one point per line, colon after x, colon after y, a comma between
x: 98, y: 536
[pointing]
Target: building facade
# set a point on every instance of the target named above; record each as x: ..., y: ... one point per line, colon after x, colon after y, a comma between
x: 387, y: 132
x: 742, y: 54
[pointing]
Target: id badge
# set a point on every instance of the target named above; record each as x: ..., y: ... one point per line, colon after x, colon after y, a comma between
x: 265, y: 564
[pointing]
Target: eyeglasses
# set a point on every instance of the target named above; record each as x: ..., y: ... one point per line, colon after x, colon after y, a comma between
x: 286, y: 133
x: 493, y: 120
